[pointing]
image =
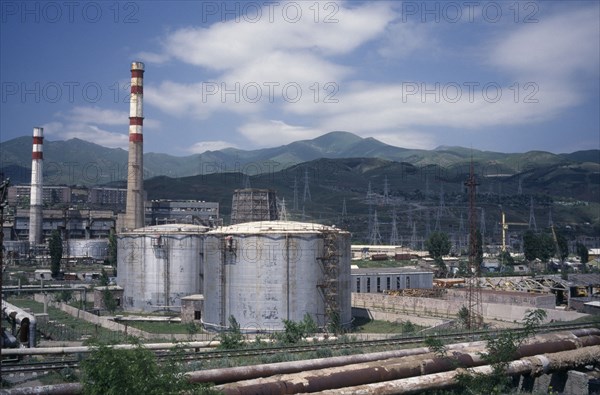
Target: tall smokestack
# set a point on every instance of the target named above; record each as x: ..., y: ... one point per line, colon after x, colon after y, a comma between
x: 35, y: 210
x: 134, y: 212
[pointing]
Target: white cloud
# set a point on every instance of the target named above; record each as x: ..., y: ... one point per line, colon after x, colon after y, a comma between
x: 224, y: 46
x: 404, y: 38
x: 539, y: 69
x: 86, y: 132
x: 204, y: 146
x: 85, y: 123
x: 275, y: 132
x: 557, y: 47
x: 268, y: 54
x: 97, y: 115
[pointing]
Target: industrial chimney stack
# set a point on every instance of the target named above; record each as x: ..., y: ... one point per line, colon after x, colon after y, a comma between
x: 36, y: 194
x: 134, y: 212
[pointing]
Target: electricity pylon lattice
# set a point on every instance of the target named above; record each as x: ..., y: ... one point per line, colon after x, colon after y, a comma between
x: 475, y: 319
x: 307, y: 196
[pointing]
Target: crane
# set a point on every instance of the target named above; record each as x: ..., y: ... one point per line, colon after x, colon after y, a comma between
x: 505, y: 228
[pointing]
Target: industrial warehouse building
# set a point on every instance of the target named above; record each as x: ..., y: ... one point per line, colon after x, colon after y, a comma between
x: 386, y: 279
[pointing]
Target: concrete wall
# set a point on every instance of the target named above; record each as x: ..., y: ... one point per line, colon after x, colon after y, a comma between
x: 104, y: 322
x: 449, y: 308
x: 395, y: 317
x: 546, y: 301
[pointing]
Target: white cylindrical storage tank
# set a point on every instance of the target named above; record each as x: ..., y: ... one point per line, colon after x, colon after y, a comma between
x: 158, y: 265
x: 88, y: 248
x: 262, y: 273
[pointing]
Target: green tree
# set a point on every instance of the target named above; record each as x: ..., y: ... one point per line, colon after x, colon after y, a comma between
x: 232, y: 338
x: 107, y: 371
x: 505, y: 258
x: 464, y: 316
x: 582, y: 252
x: 438, y: 244
x: 547, y: 247
x: 112, y: 248
x: 500, y: 350
x: 64, y: 296
x: 56, y: 252
x: 463, y: 269
x: 530, y: 245
x: 110, y: 303
x: 541, y: 246
x: 104, y: 280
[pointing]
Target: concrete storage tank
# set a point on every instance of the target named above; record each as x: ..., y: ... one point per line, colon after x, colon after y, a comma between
x: 158, y: 265
x: 264, y: 272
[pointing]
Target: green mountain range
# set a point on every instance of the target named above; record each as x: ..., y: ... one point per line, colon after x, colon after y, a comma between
x: 421, y: 189
x: 80, y: 162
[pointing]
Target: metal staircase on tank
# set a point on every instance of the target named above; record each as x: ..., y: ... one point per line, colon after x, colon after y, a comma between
x: 329, y: 285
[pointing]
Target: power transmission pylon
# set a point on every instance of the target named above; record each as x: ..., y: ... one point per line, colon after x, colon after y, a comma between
x: 295, y: 203
x: 532, y: 223
x: 474, y: 290
x: 440, y: 211
x: 413, y: 236
x: 394, y: 234
x: 375, y: 236
x: 520, y: 188
x: 344, y: 213
x: 385, y: 191
x: 369, y: 194
x: 283, y: 211
x: 307, y: 196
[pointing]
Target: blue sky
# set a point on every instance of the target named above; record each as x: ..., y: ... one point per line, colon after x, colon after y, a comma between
x: 501, y: 76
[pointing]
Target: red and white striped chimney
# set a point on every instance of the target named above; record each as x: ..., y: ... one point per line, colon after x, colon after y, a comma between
x: 36, y: 193
x: 134, y: 211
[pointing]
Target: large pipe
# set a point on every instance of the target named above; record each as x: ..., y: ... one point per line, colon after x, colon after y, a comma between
x: 87, y: 349
x: 228, y: 375
x: 134, y: 210
x: 36, y: 192
x: 26, y: 321
x: 534, y: 365
x: 390, y: 369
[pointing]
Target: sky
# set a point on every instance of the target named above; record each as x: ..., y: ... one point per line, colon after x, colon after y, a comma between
x: 500, y: 76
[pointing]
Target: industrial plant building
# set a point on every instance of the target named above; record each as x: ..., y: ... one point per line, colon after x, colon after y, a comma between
x: 386, y: 279
x: 251, y: 204
x: 53, y: 195
x: 181, y: 212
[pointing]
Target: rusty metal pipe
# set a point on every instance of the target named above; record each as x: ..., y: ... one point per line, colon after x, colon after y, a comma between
x: 391, y: 369
x: 534, y: 365
x: 227, y: 375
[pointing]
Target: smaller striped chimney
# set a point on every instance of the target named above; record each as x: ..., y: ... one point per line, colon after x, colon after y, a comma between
x: 36, y: 194
x: 134, y: 210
